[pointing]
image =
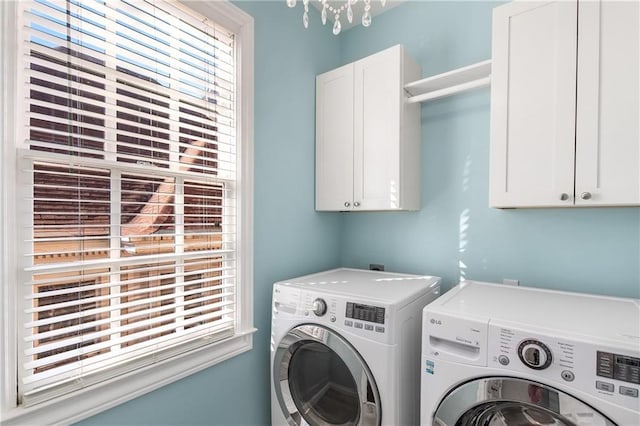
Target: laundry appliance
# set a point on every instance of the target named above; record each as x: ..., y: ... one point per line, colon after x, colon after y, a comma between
x: 494, y: 354
x: 345, y: 348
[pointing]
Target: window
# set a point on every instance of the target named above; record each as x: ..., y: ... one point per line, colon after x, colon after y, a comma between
x: 133, y: 195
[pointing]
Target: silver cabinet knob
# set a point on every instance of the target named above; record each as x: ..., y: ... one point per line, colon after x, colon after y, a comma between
x: 356, y: 204
x: 585, y: 195
x: 347, y: 204
x: 564, y: 196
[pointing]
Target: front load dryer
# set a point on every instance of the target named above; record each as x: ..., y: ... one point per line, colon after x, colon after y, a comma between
x: 505, y: 355
x: 345, y: 348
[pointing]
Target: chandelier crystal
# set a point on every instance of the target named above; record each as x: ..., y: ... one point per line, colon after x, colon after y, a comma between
x: 336, y: 11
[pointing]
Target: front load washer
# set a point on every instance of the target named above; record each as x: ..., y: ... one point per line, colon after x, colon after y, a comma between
x: 345, y: 348
x: 505, y: 355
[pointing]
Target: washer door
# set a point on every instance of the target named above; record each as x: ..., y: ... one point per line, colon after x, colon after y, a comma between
x: 320, y: 379
x: 508, y: 401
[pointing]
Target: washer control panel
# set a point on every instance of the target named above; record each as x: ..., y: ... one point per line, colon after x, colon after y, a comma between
x: 601, y: 371
x: 522, y: 351
x: 618, y: 367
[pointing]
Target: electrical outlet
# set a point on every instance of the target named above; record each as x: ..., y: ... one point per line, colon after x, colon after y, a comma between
x: 376, y: 266
x: 510, y: 281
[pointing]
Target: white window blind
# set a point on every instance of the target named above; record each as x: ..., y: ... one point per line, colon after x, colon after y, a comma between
x: 129, y: 176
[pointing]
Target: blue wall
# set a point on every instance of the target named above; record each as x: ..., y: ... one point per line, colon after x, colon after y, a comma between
x: 454, y: 234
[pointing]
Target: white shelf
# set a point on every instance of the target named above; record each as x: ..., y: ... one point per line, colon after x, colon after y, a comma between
x: 449, y: 83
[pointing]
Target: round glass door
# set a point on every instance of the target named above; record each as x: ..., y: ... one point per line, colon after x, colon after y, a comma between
x: 510, y: 401
x: 321, y: 380
x: 322, y: 386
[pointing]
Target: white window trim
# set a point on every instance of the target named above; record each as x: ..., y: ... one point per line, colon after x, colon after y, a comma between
x: 90, y: 401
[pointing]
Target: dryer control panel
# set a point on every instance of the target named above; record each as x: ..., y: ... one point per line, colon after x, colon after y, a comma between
x: 346, y: 314
x: 362, y: 312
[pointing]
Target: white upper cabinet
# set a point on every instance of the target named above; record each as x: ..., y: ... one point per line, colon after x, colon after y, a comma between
x: 608, y: 113
x: 564, y: 104
x: 334, y: 144
x: 368, y: 136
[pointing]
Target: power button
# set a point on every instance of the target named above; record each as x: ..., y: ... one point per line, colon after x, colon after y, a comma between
x: 503, y: 359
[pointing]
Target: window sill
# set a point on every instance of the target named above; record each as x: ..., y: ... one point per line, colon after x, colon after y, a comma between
x: 85, y: 403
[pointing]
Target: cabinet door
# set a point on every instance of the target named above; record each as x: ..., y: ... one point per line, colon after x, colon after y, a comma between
x: 607, y: 135
x: 334, y: 139
x: 378, y: 105
x: 533, y: 104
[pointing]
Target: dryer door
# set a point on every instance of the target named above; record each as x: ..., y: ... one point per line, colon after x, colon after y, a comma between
x: 502, y: 401
x: 320, y: 379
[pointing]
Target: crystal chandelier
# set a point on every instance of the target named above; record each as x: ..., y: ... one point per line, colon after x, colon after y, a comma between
x: 336, y: 11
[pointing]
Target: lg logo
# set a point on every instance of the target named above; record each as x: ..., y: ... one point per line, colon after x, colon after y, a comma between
x: 435, y: 321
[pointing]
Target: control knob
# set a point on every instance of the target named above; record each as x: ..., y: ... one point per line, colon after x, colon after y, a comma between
x: 319, y: 307
x: 534, y: 354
